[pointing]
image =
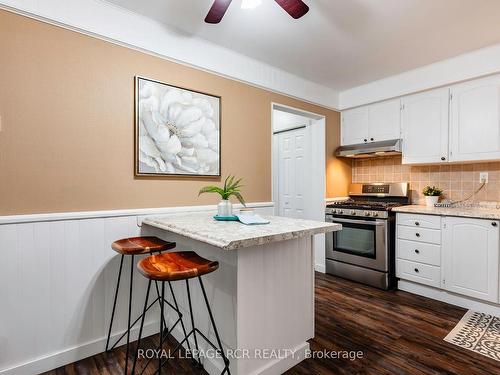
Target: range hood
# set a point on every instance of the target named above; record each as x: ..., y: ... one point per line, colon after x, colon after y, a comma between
x: 370, y: 150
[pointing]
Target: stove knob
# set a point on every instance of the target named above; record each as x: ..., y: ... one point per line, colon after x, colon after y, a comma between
x: 340, y: 212
x: 375, y: 214
x: 334, y: 211
x: 367, y: 213
x: 353, y: 213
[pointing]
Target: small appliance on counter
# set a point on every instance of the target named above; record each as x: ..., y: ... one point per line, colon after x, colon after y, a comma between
x: 364, y: 250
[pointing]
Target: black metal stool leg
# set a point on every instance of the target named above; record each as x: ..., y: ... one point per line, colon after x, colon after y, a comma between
x: 179, y: 312
x: 114, y: 302
x: 141, y: 327
x: 226, y: 360
x: 129, y: 311
x: 192, y: 320
x: 161, y: 325
x: 158, y: 294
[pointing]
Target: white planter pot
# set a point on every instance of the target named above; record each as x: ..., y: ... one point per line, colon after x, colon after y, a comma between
x: 225, y: 208
x: 431, y: 201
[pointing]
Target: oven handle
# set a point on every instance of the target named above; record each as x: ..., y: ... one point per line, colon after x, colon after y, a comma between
x: 367, y: 222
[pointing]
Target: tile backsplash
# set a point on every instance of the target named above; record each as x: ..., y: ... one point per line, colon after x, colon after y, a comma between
x: 458, y: 181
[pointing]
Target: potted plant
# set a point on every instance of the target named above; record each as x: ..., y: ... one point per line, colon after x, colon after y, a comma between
x: 231, y: 188
x: 432, y: 195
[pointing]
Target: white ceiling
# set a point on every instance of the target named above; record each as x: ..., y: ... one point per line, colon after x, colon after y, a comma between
x: 339, y: 43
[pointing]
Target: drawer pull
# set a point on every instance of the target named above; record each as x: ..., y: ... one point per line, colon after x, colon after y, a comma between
x: 416, y: 270
x: 494, y: 224
x: 417, y: 223
x: 417, y: 234
x: 417, y: 251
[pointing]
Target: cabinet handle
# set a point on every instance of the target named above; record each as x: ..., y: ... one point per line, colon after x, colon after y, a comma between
x: 366, y: 140
x: 417, y: 234
x: 371, y: 139
x: 417, y: 251
x: 417, y: 223
x: 494, y: 224
x: 443, y: 158
x: 416, y: 270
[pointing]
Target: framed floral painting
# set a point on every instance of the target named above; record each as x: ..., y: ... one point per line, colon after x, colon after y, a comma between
x: 177, y: 131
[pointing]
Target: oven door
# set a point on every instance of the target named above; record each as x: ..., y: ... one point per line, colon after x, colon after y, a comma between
x: 360, y: 242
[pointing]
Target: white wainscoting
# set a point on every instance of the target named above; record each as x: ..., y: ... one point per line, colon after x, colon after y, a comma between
x: 57, y: 279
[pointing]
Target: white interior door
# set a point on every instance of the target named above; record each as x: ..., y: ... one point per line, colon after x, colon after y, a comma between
x: 292, y: 163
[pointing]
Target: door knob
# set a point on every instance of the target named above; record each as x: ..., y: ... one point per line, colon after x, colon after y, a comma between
x: 371, y: 139
x: 417, y: 251
x: 494, y: 224
x: 366, y: 140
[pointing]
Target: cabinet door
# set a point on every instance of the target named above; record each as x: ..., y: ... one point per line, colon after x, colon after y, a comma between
x: 475, y: 120
x: 385, y: 121
x: 424, y: 123
x: 470, y: 257
x: 355, y: 126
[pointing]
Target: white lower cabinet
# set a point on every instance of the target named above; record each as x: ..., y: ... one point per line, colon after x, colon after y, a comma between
x: 470, y: 257
x: 462, y: 257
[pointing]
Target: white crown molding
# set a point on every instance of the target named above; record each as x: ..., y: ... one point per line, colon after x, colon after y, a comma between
x: 120, y: 26
x: 464, y: 67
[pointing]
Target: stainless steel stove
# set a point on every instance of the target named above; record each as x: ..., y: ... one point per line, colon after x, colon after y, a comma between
x: 364, y: 250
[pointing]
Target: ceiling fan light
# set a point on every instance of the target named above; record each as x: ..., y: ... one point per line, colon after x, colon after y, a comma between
x: 250, y: 4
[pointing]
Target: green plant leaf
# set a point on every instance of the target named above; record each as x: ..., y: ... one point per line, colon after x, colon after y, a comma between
x: 240, y: 198
x: 211, y: 189
x: 231, y: 187
x: 225, y: 182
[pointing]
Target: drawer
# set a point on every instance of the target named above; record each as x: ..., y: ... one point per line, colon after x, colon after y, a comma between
x: 418, y: 272
x: 421, y: 221
x: 419, y: 234
x: 419, y: 252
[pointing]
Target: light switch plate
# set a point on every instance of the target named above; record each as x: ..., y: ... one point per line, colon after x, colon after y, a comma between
x: 483, y: 177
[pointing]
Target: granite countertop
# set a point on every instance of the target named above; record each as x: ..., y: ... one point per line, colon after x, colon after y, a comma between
x: 232, y: 235
x: 479, y: 212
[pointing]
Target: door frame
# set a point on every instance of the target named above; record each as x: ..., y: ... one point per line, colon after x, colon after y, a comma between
x: 316, y: 174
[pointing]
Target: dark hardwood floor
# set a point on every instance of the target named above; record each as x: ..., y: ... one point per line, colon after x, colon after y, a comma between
x: 398, y: 333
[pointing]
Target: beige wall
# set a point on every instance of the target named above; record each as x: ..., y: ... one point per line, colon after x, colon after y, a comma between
x: 338, y: 171
x: 67, y: 108
x: 459, y: 181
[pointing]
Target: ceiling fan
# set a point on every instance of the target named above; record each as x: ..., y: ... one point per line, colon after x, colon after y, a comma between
x: 295, y: 8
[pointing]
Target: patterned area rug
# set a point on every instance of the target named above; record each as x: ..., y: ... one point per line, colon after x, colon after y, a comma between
x: 477, y: 332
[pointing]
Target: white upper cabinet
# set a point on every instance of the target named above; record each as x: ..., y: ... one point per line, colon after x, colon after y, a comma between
x: 470, y: 257
x: 372, y: 123
x: 384, y: 121
x: 424, y: 123
x: 354, y: 126
x: 475, y: 120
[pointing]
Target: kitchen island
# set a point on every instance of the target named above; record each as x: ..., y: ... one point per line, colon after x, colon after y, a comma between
x: 262, y: 295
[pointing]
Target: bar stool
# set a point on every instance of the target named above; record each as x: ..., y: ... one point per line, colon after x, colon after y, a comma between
x: 132, y: 247
x: 175, y: 266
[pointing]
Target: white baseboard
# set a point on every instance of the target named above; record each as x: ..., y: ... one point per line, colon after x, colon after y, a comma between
x: 280, y: 366
x: 320, y: 268
x: 70, y: 355
x: 448, y: 297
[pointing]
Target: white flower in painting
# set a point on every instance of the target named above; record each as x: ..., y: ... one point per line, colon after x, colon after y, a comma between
x: 177, y: 132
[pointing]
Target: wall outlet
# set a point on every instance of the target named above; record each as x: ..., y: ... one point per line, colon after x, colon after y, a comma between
x: 483, y: 177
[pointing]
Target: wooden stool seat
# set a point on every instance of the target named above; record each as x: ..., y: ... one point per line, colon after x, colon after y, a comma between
x: 141, y: 245
x: 179, y: 265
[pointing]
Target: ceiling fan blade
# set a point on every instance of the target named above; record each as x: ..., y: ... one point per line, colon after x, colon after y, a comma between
x: 217, y: 11
x: 295, y: 8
